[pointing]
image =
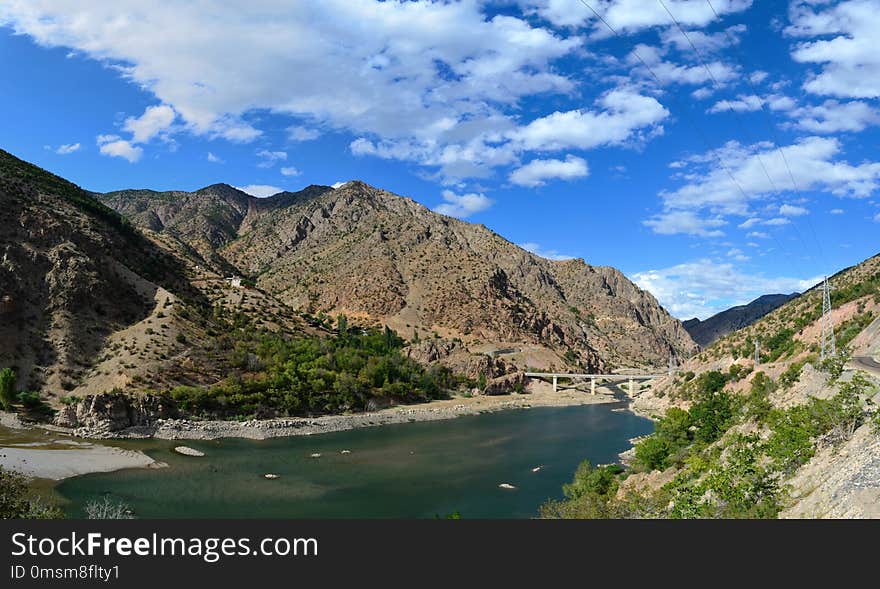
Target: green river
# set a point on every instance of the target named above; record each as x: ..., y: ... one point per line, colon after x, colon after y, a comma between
x: 414, y: 470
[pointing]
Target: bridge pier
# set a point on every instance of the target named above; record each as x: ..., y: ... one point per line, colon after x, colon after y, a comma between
x: 592, y: 386
x: 632, y: 387
x: 555, y: 384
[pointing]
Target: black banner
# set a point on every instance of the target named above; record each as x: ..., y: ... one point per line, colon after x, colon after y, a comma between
x: 173, y: 553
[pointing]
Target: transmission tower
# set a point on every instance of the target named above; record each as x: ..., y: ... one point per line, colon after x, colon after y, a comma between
x: 757, y: 353
x: 829, y: 347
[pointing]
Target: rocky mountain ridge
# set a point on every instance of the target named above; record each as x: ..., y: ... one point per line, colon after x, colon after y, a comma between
x: 376, y: 256
x: 707, y: 331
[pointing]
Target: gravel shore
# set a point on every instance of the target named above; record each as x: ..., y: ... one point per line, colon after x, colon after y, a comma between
x: 183, y: 429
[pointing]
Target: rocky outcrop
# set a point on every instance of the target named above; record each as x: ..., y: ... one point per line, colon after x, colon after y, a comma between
x: 504, y: 385
x: 113, y: 412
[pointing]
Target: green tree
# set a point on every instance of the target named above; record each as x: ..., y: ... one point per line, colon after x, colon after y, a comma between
x: 342, y: 327
x: 7, y: 387
x: 16, y: 501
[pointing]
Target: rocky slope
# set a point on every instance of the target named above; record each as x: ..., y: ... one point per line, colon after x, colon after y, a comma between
x: 717, y: 326
x: 379, y: 257
x: 842, y: 478
x: 88, y: 302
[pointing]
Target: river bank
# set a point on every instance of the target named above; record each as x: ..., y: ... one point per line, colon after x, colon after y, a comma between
x: 50, y: 452
x: 538, y: 395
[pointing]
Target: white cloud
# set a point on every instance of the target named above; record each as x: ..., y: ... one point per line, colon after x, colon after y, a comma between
x: 550, y: 254
x: 752, y: 103
x: 686, y: 222
x: 837, y: 211
x: 463, y: 205
x: 758, y: 235
x: 847, y: 52
x: 793, y: 211
x: 537, y: 172
x: 115, y: 146
x: 270, y: 158
x: 814, y: 162
x: 623, y: 112
x: 336, y: 185
x: 297, y: 133
x: 214, y: 159
x: 433, y: 79
x: 68, y: 148
x: 703, y: 287
x: 260, y: 190
x: 154, y: 121
x: 290, y: 171
x: 836, y: 117
x: 632, y: 15
x: 877, y: 218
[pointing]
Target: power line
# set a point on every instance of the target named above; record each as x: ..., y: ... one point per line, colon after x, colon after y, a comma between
x: 690, y: 120
x: 771, y: 126
x: 737, y: 116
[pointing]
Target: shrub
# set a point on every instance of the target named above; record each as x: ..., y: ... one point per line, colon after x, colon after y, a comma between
x: 8, y: 381
x: 16, y: 501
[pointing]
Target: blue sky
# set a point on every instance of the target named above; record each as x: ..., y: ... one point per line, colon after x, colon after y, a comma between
x: 713, y: 165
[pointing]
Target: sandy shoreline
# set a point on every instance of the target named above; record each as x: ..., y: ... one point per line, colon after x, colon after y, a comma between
x: 51, y: 460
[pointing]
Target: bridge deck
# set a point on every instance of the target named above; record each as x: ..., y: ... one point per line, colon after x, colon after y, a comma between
x: 606, y: 376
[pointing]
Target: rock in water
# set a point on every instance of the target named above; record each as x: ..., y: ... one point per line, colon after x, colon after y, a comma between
x: 506, y: 486
x: 315, y: 455
x: 537, y: 468
x: 187, y: 451
x: 271, y: 477
x: 346, y: 452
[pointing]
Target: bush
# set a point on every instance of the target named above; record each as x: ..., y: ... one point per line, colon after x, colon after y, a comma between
x: 8, y: 381
x: 16, y: 502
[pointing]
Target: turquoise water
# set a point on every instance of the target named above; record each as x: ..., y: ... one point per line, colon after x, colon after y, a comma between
x: 415, y: 470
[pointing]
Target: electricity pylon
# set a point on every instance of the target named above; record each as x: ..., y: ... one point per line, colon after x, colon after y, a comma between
x: 829, y: 347
x: 757, y: 353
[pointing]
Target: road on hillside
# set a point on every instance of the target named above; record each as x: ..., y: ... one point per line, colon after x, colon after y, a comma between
x: 867, y: 364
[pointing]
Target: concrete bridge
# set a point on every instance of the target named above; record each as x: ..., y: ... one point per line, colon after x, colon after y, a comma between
x: 632, y: 378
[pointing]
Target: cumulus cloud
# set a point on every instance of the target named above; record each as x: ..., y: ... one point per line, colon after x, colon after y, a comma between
x: 846, y: 53
x: 622, y: 112
x: 290, y: 171
x: 154, y: 121
x: 463, y: 205
x: 704, y: 287
x: 685, y: 222
x: 537, y: 172
x: 297, y: 133
x: 214, y: 159
x: 793, y: 211
x: 550, y: 254
x: 68, y: 148
x: 260, y: 190
x: 709, y: 189
x: 431, y: 76
x: 270, y: 158
x: 632, y: 15
x: 833, y: 116
x: 115, y: 146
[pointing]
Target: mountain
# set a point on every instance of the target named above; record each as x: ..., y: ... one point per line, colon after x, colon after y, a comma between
x: 379, y: 257
x: 719, y: 325
x: 89, y: 302
x: 157, y: 291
